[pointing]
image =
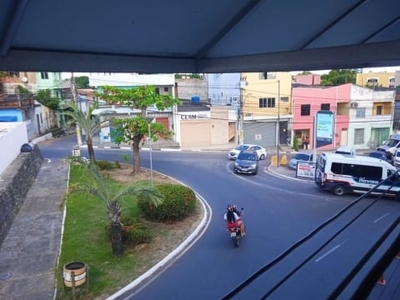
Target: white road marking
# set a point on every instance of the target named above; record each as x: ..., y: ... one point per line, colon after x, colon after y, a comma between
x: 382, y: 217
x: 329, y: 252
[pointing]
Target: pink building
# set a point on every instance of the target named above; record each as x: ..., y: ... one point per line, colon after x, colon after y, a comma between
x: 307, y: 101
x: 310, y: 79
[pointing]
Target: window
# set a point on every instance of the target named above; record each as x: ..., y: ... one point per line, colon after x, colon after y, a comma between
x: 357, y: 170
x: 305, y: 110
x: 325, y: 106
x: 359, y: 136
x: 13, y: 74
x: 266, y: 102
x: 372, y: 81
x: 44, y: 75
x: 360, y: 112
x: 392, y: 82
x: 379, y: 110
x: 267, y: 75
x: 166, y: 89
x: 285, y: 99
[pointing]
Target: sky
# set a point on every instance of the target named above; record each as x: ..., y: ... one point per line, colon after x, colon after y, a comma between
x: 365, y: 70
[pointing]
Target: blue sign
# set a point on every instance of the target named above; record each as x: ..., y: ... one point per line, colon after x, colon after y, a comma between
x: 324, y: 127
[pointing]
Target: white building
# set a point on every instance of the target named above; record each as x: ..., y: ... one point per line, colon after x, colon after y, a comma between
x: 370, y: 116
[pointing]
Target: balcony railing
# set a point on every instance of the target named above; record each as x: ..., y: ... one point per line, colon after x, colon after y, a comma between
x: 16, y: 101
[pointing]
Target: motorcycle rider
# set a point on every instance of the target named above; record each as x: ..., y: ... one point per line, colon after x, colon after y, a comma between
x: 233, y: 218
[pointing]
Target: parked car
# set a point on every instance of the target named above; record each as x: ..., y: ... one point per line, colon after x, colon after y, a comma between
x: 301, y: 156
x: 246, y: 162
x: 261, y: 151
x: 396, y: 159
x: 379, y: 155
x: 346, y: 150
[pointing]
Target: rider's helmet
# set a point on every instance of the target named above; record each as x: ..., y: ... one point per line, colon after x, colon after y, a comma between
x: 234, y: 208
x: 229, y: 207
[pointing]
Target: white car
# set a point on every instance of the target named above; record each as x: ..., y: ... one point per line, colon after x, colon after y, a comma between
x: 261, y: 151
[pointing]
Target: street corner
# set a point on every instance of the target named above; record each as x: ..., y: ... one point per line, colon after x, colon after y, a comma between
x: 283, y: 173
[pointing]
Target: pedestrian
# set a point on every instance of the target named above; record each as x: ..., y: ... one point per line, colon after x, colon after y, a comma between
x: 303, y: 142
x: 307, y: 141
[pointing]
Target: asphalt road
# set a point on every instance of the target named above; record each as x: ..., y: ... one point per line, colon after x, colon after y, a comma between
x: 278, y: 213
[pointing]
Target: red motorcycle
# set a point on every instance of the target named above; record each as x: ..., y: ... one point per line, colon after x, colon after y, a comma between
x: 234, y: 229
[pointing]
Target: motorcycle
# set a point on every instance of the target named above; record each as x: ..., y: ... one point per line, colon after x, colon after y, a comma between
x: 234, y: 230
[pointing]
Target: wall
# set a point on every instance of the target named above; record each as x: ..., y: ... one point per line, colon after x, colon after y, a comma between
x: 15, y: 184
x: 310, y: 79
x: 383, y: 78
x: 13, y: 135
x: 220, y: 125
x: 366, y: 98
x: 189, y: 87
x: 224, y: 89
x: 315, y: 97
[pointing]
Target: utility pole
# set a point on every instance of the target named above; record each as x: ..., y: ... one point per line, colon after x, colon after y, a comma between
x: 240, y: 117
x: 278, y: 129
x: 74, y: 99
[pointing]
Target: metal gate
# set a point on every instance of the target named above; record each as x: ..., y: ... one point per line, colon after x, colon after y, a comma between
x: 260, y: 133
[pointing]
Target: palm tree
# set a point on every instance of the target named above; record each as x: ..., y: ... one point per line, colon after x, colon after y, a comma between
x: 91, y: 125
x: 98, y: 186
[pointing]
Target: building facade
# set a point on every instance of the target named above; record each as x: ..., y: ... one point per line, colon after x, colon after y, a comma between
x: 371, y: 116
x: 307, y: 101
x: 376, y: 79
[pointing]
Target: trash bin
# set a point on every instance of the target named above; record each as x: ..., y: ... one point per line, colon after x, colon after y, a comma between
x: 76, y: 152
x: 74, y: 274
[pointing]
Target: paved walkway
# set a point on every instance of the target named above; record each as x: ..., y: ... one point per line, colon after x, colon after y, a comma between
x: 31, y: 249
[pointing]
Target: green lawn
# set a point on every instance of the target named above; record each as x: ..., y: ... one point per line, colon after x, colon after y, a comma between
x: 85, y: 240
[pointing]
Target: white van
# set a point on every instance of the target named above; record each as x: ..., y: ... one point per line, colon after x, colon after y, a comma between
x: 343, y: 174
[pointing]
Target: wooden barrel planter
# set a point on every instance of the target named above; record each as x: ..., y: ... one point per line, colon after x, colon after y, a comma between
x: 74, y: 274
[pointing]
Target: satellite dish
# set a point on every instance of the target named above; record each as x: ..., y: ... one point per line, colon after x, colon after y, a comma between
x: 24, y: 79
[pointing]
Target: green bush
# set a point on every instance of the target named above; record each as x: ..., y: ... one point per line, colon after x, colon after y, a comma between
x: 105, y: 165
x: 296, y: 144
x: 133, y: 232
x: 179, y: 201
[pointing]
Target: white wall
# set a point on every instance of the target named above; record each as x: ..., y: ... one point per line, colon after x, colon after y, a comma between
x: 224, y: 89
x: 12, y: 137
x: 366, y: 98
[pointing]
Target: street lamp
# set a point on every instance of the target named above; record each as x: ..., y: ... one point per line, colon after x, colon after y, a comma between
x: 151, y: 154
x: 150, y: 120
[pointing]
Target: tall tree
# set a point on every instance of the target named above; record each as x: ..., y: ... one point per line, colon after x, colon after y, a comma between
x: 90, y: 124
x: 111, y: 194
x: 132, y: 130
x: 340, y: 76
x: 82, y: 82
x: 44, y: 97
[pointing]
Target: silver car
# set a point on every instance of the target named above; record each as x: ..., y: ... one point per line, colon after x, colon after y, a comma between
x: 301, y: 156
x: 261, y: 151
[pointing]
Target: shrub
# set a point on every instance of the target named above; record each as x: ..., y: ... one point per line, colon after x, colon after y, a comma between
x: 296, y: 144
x: 179, y: 201
x: 105, y: 165
x: 133, y: 232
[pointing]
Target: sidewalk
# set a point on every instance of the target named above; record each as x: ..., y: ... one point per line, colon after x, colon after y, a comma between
x: 30, y: 251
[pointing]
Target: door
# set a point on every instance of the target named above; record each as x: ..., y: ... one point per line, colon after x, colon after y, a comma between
x: 343, y: 137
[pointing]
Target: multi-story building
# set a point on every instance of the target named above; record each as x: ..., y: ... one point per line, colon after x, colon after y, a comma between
x: 262, y: 101
x: 363, y: 116
x: 376, y: 79
x: 17, y: 103
x: 307, y: 101
x: 371, y: 116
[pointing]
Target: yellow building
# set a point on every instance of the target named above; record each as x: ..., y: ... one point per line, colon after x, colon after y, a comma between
x: 381, y: 79
x: 266, y: 101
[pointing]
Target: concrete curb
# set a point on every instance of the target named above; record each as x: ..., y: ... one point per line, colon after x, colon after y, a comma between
x: 160, y: 267
x: 276, y: 174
